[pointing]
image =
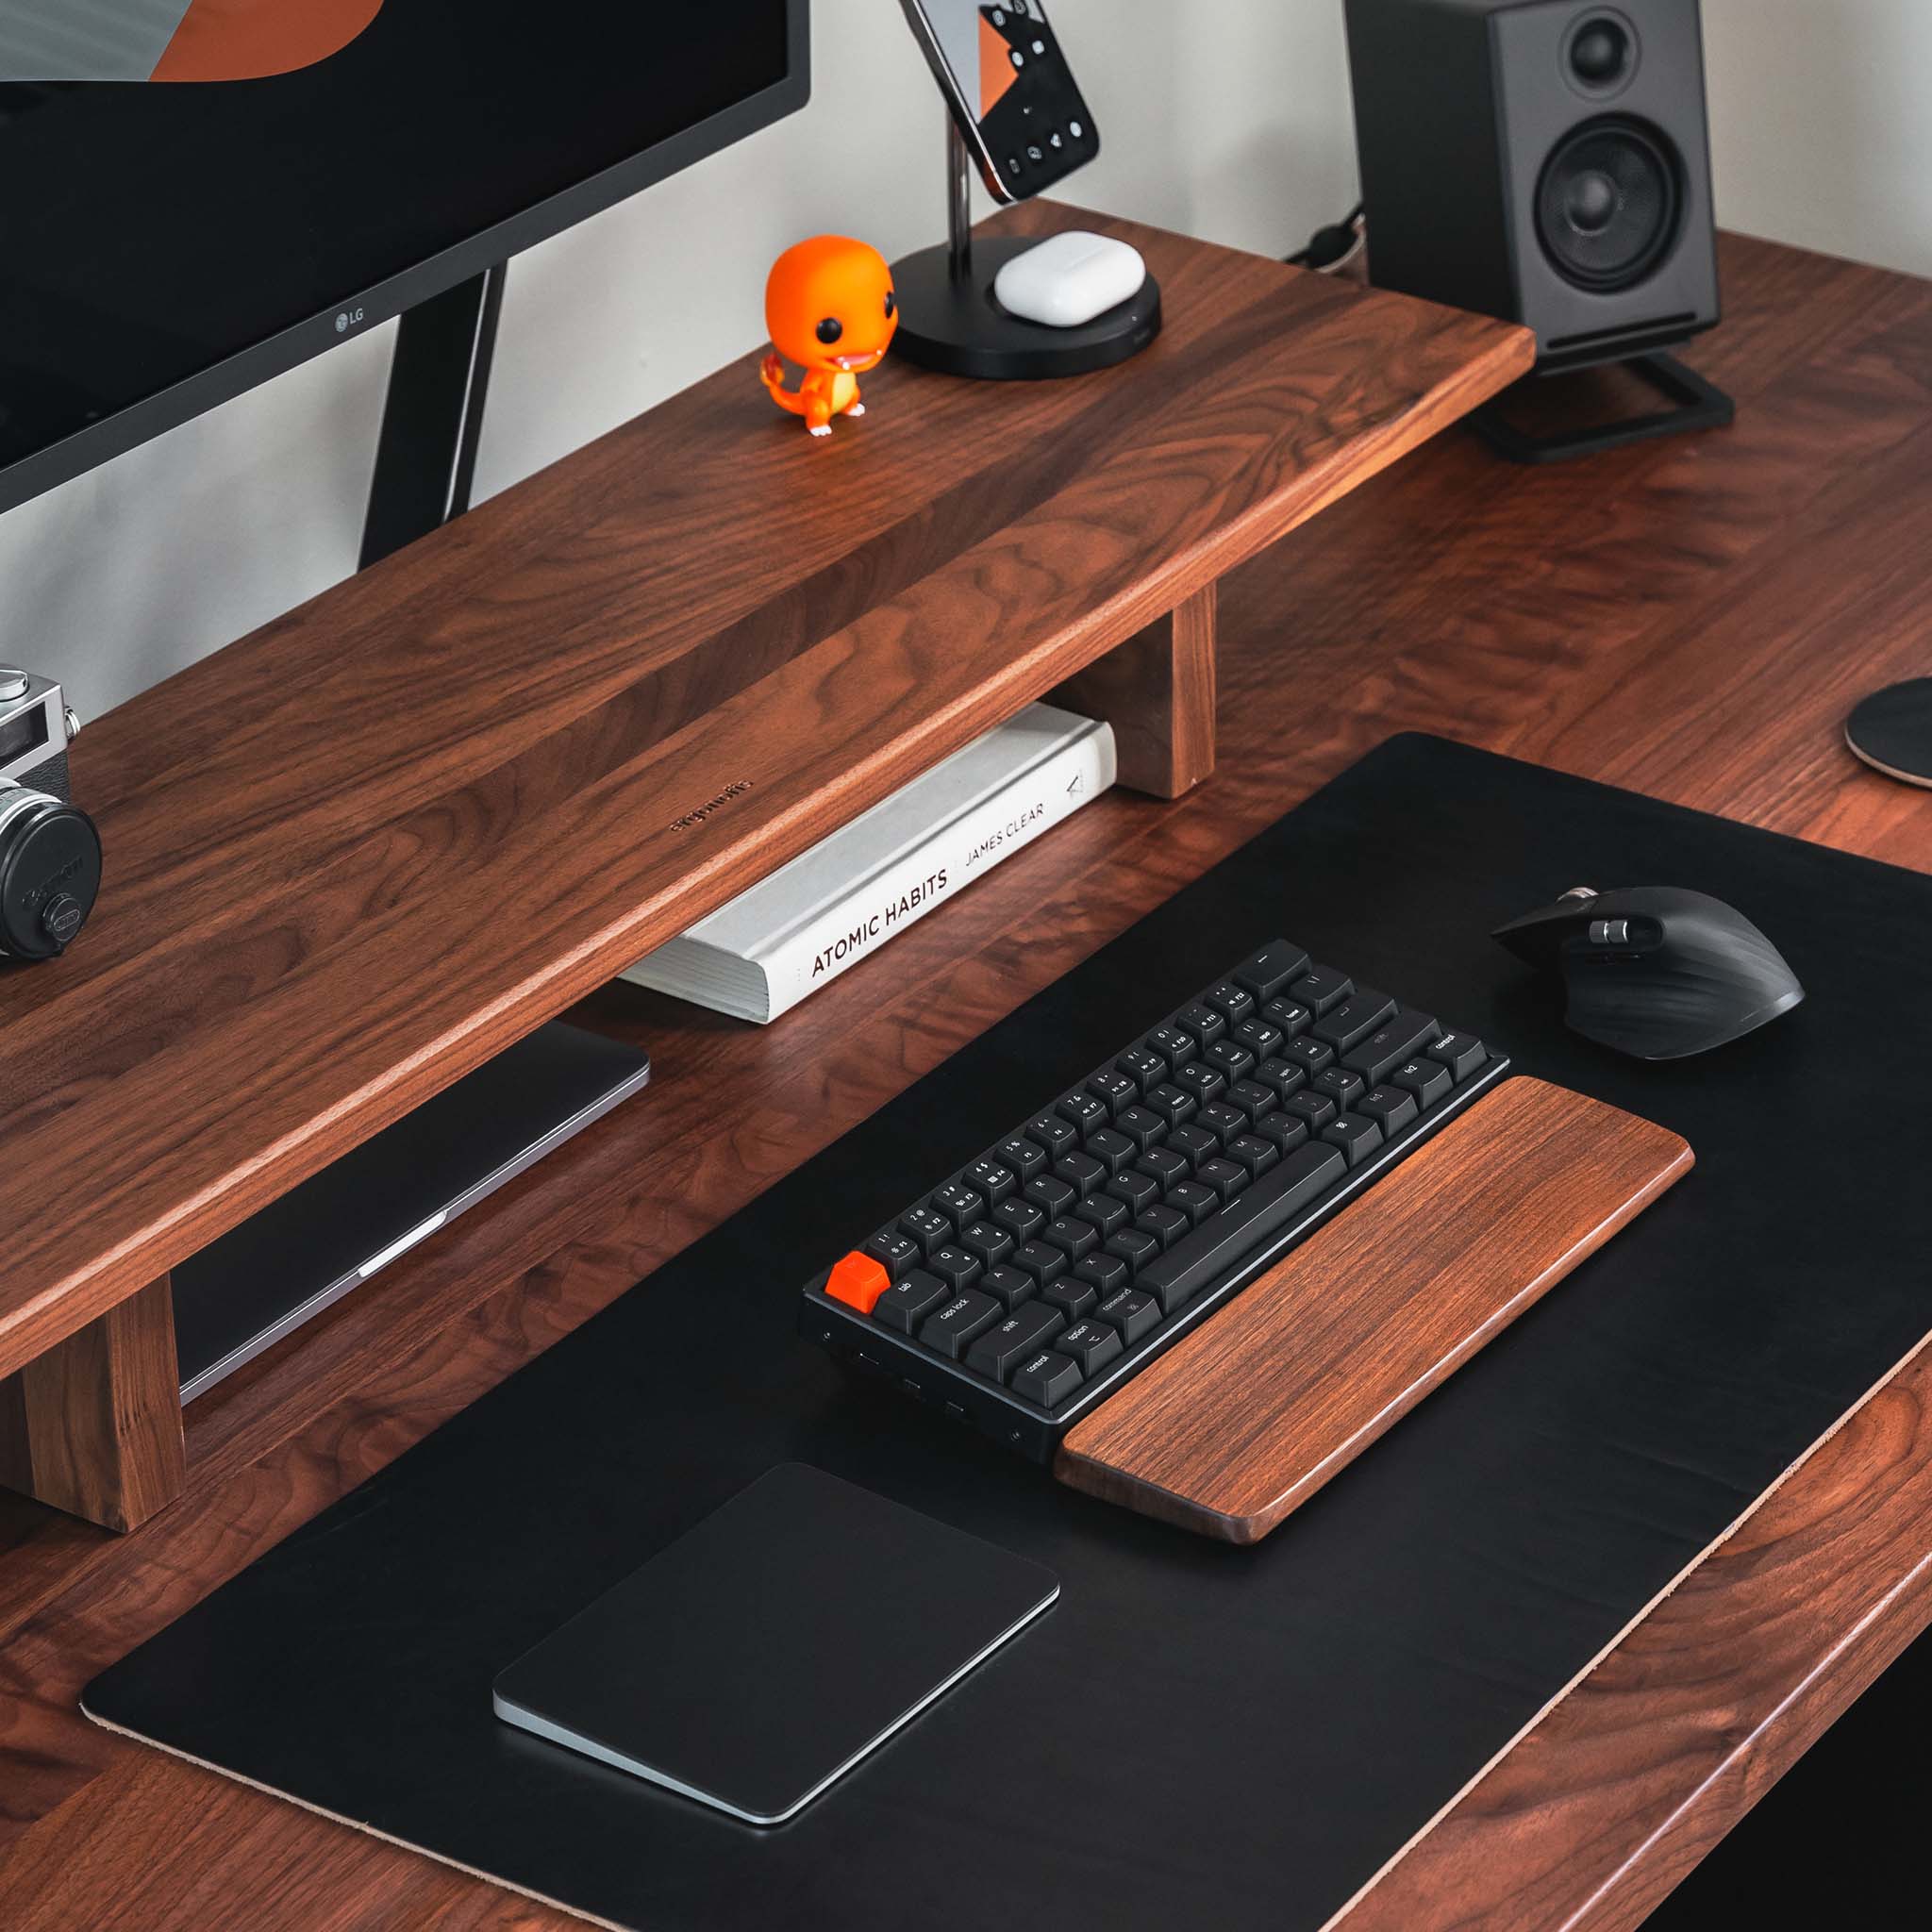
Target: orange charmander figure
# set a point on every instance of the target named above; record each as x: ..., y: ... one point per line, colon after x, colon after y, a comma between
x: 829, y: 307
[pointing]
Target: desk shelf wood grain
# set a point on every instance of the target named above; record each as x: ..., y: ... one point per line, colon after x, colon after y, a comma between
x: 356, y: 854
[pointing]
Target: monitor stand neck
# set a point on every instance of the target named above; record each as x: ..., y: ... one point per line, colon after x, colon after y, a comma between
x: 958, y: 203
x: 426, y: 461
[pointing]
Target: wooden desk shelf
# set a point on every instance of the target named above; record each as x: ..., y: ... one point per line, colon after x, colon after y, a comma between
x: 357, y: 853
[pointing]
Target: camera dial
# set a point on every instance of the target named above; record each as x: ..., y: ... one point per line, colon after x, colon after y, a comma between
x: 50, y: 871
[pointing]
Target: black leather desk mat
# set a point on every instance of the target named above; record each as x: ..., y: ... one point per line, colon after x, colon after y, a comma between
x: 1196, y: 1730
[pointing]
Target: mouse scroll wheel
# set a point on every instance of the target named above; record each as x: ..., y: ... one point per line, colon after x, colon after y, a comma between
x: 1609, y: 932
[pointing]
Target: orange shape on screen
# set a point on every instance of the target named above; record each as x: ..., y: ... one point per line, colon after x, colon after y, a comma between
x: 249, y: 40
x: 996, y: 67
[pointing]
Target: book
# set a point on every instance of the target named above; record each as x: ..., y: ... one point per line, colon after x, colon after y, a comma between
x: 762, y: 953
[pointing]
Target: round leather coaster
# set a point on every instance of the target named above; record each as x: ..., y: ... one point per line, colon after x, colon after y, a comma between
x: 1893, y: 731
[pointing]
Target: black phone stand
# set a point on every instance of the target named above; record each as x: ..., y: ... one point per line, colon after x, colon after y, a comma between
x: 1696, y: 405
x: 950, y: 320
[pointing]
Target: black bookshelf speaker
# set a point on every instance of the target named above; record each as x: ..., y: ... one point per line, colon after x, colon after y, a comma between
x: 1543, y: 161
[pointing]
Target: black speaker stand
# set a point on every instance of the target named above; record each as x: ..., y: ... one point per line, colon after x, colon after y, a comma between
x: 1699, y: 405
x: 949, y: 319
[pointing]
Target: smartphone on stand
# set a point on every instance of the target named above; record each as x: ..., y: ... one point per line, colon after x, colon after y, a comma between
x: 1013, y: 95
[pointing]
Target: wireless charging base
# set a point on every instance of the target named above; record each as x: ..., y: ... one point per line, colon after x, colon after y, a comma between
x: 951, y: 321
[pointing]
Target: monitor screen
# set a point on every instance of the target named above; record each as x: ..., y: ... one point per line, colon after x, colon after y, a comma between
x: 166, y: 243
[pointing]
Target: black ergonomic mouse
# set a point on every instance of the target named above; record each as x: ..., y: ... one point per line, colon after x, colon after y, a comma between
x: 1653, y: 971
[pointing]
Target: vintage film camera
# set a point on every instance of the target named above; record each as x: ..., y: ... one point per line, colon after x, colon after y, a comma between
x: 50, y: 853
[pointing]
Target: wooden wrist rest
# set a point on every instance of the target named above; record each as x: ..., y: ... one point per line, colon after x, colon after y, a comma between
x: 1253, y: 1412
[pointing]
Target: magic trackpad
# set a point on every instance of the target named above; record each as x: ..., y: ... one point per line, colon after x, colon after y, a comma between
x: 765, y: 1652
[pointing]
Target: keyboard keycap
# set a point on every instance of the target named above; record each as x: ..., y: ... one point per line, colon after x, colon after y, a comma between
x: 1391, y: 1108
x: 1195, y: 1199
x: 1133, y: 1313
x: 1339, y: 1085
x: 1025, y: 1158
x: 1173, y: 1103
x: 954, y: 1266
x: 1046, y: 1378
x: 1289, y: 1014
x: 1230, y: 1057
x: 1075, y: 1237
x: 1317, y: 1110
x: 1428, y: 1080
x: 1091, y: 1343
x: 1322, y: 987
x: 1142, y: 1066
x: 1083, y: 1110
x: 1103, y: 1273
x: 1284, y: 1077
x: 1080, y: 1172
x: 959, y: 1201
x: 1393, y: 1042
x: 1022, y: 1220
x: 1354, y: 1019
x: 1138, y: 1191
x: 1265, y: 973
x: 1356, y: 1138
x: 1255, y: 1153
x: 1050, y: 1194
x: 1286, y: 1130
x: 907, y: 1303
x: 958, y: 1323
x: 1176, y: 1048
x: 1249, y: 1219
x: 1042, y: 1260
x: 1008, y: 1285
x: 1259, y: 1037
x: 992, y: 1180
x: 1252, y: 1098
x: 1227, y: 1177
x: 1201, y: 1021
x: 1193, y: 1144
x: 1008, y: 1344
x: 1166, y: 1165
x: 1112, y: 1149
x: 1135, y: 1247
x: 1231, y: 1001
x: 858, y: 1281
x: 1166, y: 1224
x: 1107, y: 1212
x: 1222, y: 1120
x: 1203, y: 1081
x: 1114, y: 1089
x: 987, y: 1242
x: 928, y: 1226
x: 1461, y: 1053
x: 1055, y: 1136
x: 1141, y: 1126
x: 1070, y: 1296
x: 895, y: 1251
x: 1309, y: 1054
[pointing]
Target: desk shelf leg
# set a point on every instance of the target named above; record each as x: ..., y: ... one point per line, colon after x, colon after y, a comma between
x: 93, y: 1427
x: 1157, y: 692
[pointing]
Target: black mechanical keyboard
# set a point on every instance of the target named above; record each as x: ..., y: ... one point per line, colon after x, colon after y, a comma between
x: 1032, y: 1282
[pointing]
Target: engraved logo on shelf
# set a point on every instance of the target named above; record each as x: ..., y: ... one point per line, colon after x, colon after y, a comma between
x: 691, y: 819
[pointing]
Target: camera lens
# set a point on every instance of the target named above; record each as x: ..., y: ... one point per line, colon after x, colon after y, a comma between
x: 50, y: 873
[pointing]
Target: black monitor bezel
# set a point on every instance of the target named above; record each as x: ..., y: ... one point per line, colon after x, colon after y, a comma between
x: 234, y: 376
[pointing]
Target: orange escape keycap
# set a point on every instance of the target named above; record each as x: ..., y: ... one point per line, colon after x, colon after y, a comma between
x: 858, y: 1281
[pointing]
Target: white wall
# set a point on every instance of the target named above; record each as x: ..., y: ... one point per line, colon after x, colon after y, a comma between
x: 1225, y: 118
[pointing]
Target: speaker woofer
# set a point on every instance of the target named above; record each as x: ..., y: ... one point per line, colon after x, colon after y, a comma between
x: 1609, y: 204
